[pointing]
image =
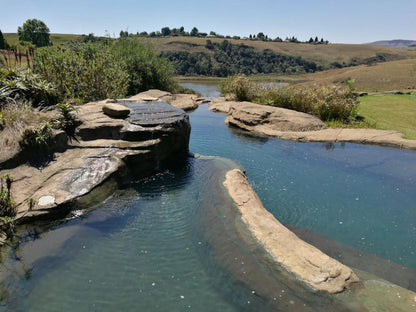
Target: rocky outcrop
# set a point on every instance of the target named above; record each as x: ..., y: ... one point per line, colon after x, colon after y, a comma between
x: 268, y: 119
x: 305, y: 261
x: 187, y: 102
x: 101, y: 146
x: 290, y: 125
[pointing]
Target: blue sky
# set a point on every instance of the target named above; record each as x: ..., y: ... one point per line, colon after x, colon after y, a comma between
x: 352, y: 21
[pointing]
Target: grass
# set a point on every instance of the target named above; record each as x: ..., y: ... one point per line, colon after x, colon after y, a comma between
x: 13, y: 38
x: 394, y: 75
x: 17, y: 118
x: 391, y: 112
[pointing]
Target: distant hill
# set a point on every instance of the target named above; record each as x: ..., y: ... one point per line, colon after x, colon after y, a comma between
x: 398, y: 43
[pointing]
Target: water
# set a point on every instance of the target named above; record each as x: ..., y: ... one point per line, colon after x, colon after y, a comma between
x: 170, y: 242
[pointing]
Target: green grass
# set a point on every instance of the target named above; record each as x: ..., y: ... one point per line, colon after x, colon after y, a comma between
x: 391, y: 112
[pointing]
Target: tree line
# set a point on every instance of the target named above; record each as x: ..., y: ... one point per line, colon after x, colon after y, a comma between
x: 226, y: 59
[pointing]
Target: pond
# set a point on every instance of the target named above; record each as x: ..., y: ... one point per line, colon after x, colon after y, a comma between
x: 168, y: 242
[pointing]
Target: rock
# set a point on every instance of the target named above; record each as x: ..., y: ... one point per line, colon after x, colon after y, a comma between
x: 150, y: 95
x: 46, y: 200
x: 266, y: 119
x: 305, y: 261
x: 186, y: 102
x: 103, y: 146
x: 116, y: 110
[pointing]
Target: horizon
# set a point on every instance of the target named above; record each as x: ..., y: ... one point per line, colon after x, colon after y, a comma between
x: 355, y: 22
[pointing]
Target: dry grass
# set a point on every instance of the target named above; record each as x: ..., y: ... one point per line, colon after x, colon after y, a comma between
x: 395, y: 75
x: 13, y: 38
x: 322, y: 54
x: 16, y: 118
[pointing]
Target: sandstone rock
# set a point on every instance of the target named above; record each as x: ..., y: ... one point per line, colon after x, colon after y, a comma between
x: 151, y: 133
x: 305, y: 261
x: 116, y: 110
x: 150, y: 95
x: 267, y: 119
x: 186, y: 102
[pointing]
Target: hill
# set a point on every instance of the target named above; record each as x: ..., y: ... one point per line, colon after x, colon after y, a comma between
x: 393, y: 75
x: 326, y: 55
x: 13, y: 39
x: 398, y: 43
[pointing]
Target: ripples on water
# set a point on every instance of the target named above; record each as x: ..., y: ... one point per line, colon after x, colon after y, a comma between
x: 168, y: 243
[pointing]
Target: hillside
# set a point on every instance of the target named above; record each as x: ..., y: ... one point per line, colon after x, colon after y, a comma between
x: 13, y: 39
x: 394, y: 75
x: 398, y: 43
x: 322, y: 55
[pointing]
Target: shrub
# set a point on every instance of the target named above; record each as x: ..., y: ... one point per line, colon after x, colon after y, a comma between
x: 86, y: 71
x: 7, y: 205
x: 67, y: 120
x: 107, y: 69
x: 146, y: 70
x: 24, y: 85
x: 327, y: 102
x: 38, y: 138
x: 240, y: 87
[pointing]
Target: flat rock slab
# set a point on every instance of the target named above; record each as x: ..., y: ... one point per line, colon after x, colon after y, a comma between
x: 152, y: 114
x: 290, y: 125
x: 254, y: 117
x: 115, y: 110
x: 308, y: 263
x: 102, y: 145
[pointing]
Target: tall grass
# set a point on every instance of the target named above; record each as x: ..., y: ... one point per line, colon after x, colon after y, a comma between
x: 327, y: 102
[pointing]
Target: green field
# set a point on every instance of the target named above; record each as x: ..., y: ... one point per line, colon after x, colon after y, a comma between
x: 391, y: 112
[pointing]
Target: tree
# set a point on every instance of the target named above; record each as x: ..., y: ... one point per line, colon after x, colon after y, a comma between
x: 2, y: 41
x: 34, y: 31
x: 194, y: 32
x: 165, y: 31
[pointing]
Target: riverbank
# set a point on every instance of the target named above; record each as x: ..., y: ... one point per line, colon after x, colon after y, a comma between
x: 284, y: 124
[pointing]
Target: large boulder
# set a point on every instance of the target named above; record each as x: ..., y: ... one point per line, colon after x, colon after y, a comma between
x: 103, y: 147
x: 269, y: 120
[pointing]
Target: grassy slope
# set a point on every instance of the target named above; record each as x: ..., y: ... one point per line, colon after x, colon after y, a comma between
x: 394, y: 75
x: 322, y: 54
x: 12, y: 38
x: 391, y: 112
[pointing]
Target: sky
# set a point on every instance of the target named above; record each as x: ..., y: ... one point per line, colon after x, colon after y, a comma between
x: 346, y: 21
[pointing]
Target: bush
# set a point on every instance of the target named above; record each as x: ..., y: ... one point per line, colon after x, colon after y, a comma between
x: 24, y: 85
x: 7, y: 205
x: 107, y: 69
x: 37, y: 138
x: 240, y: 87
x: 327, y: 102
x: 145, y: 69
x: 86, y: 71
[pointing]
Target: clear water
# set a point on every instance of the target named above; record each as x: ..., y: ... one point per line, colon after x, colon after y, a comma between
x: 171, y: 243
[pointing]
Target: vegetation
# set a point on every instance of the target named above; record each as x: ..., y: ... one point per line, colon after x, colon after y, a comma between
x: 327, y: 102
x: 391, y: 112
x: 7, y: 206
x: 34, y: 31
x: 231, y: 59
x: 25, y: 86
x: 110, y: 69
x: 38, y: 138
x: 2, y: 41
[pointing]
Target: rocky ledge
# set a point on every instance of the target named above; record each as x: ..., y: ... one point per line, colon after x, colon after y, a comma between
x: 291, y: 125
x: 105, y: 144
x: 308, y: 263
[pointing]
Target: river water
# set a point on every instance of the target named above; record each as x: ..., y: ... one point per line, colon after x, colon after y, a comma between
x: 169, y: 242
